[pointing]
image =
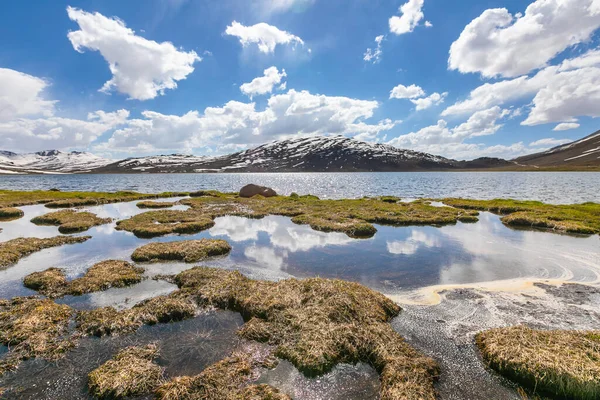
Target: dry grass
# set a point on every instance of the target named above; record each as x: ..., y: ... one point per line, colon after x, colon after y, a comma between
x: 71, y: 221
x: 188, y: 251
x: 227, y: 379
x: 561, y: 364
x: 159, y: 223
x: 13, y: 250
x: 354, y: 228
x: 132, y: 372
x: 102, y: 276
x: 318, y: 323
x: 33, y: 327
x: 576, y: 218
x: 163, y: 309
x: 10, y: 213
x: 156, y: 204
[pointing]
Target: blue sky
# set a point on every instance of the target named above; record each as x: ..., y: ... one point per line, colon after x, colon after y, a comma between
x: 461, y: 79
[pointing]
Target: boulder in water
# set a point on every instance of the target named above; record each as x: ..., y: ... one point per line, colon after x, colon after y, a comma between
x: 253, y: 190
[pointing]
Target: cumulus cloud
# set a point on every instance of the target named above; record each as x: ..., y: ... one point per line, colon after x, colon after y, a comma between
x: 565, y: 126
x: 286, y: 115
x: 22, y: 95
x: 432, y: 100
x: 265, y: 83
x: 141, y: 68
x: 374, y: 55
x: 499, y: 44
x: 549, y: 142
x: 407, y: 92
x: 23, y: 134
x: 265, y: 36
x: 411, y: 14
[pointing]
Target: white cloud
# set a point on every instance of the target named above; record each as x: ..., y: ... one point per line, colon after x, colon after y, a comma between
x: 264, y: 84
x: 411, y: 245
x: 433, y: 100
x: 407, y: 92
x: 58, y: 133
x: 141, y: 68
x: 265, y: 36
x: 565, y: 126
x: 428, y: 24
x: 412, y: 14
x: 374, y: 55
x: 269, y: 7
x: 286, y: 115
x: 498, y: 44
x: 549, y: 142
x: 21, y: 95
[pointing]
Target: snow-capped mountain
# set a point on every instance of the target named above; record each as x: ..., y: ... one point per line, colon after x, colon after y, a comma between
x: 162, y: 163
x: 50, y: 161
x: 581, y: 153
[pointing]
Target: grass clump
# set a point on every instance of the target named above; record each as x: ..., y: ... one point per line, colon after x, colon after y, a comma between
x: 33, y: 327
x: 159, y: 223
x: 354, y: 228
x: 70, y: 221
x: 13, y: 250
x: 230, y: 378
x: 576, y: 218
x: 318, y: 323
x: 560, y: 364
x: 132, y: 372
x: 102, y: 276
x: 156, y: 204
x: 10, y: 213
x: 188, y: 251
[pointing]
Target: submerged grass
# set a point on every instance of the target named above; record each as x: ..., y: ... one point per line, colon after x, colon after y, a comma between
x: 13, y: 250
x: 318, y: 323
x: 560, y: 364
x: 132, y: 372
x: 576, y: 218
x: 71, y: 221
x: 159, y: 223
x: 188, y: 251
x: 33, y: 327
x: 10, y: 213
x: 156, y: 204
x: 102, y: 276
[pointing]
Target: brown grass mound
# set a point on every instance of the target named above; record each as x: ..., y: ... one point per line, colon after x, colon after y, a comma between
x: 102, y: 276
x: 131, y: 372
x: 159, y: 223
x: 33, y: 327
x: 10, y: 213
x: 162, y: 309
x: 156, y: 204
x: 71, y: 221
x: 13, y: 250
x: 227, y: 379
x: 561, y: 364
x: 188, y: 251
x: 318, y: 323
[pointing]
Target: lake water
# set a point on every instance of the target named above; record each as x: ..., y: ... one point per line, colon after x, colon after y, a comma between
x: 550, y: 187
x: 401, y: 262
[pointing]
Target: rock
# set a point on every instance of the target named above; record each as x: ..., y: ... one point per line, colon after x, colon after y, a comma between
x: 252, y: 190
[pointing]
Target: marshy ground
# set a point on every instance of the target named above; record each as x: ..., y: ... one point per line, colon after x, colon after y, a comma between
x: 316, y: 327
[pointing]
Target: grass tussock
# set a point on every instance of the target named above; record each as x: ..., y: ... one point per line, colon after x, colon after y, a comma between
x: 132, y: 372
x: 10, y: 213
x: 108, y: 321
x: 102, y: 276
x: 189, y: 251
x: 227, y: 379
x: 156, y: 204
x: 13, y: 250
x: 560, y: 364
x: 33, y: 327
x: 159, y: 223
x: 318, y: 323
x: 576, y: 218
x: 71, y: 221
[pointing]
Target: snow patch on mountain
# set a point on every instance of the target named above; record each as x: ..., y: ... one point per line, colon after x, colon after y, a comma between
x: 51, y: 161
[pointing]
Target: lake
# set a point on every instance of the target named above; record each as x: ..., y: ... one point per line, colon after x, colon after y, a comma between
x: 549, y: 187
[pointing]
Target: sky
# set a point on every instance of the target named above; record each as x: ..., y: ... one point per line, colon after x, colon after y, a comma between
x: 468, y: 79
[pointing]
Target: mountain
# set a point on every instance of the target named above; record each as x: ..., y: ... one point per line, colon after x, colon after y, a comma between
x: 582, y: 153
x: 50, y: 161
x: 312, y: 154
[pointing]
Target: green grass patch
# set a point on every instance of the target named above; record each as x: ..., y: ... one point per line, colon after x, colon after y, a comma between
x: 155, y: 204
x: 71, y: 221
x: 160, y: 223
x: 188, y: 251
x: 13, y: 250
x: 10, y: 213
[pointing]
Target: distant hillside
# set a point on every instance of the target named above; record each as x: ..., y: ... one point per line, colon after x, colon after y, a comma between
x: 50, y: 161
x: 582, y: 153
